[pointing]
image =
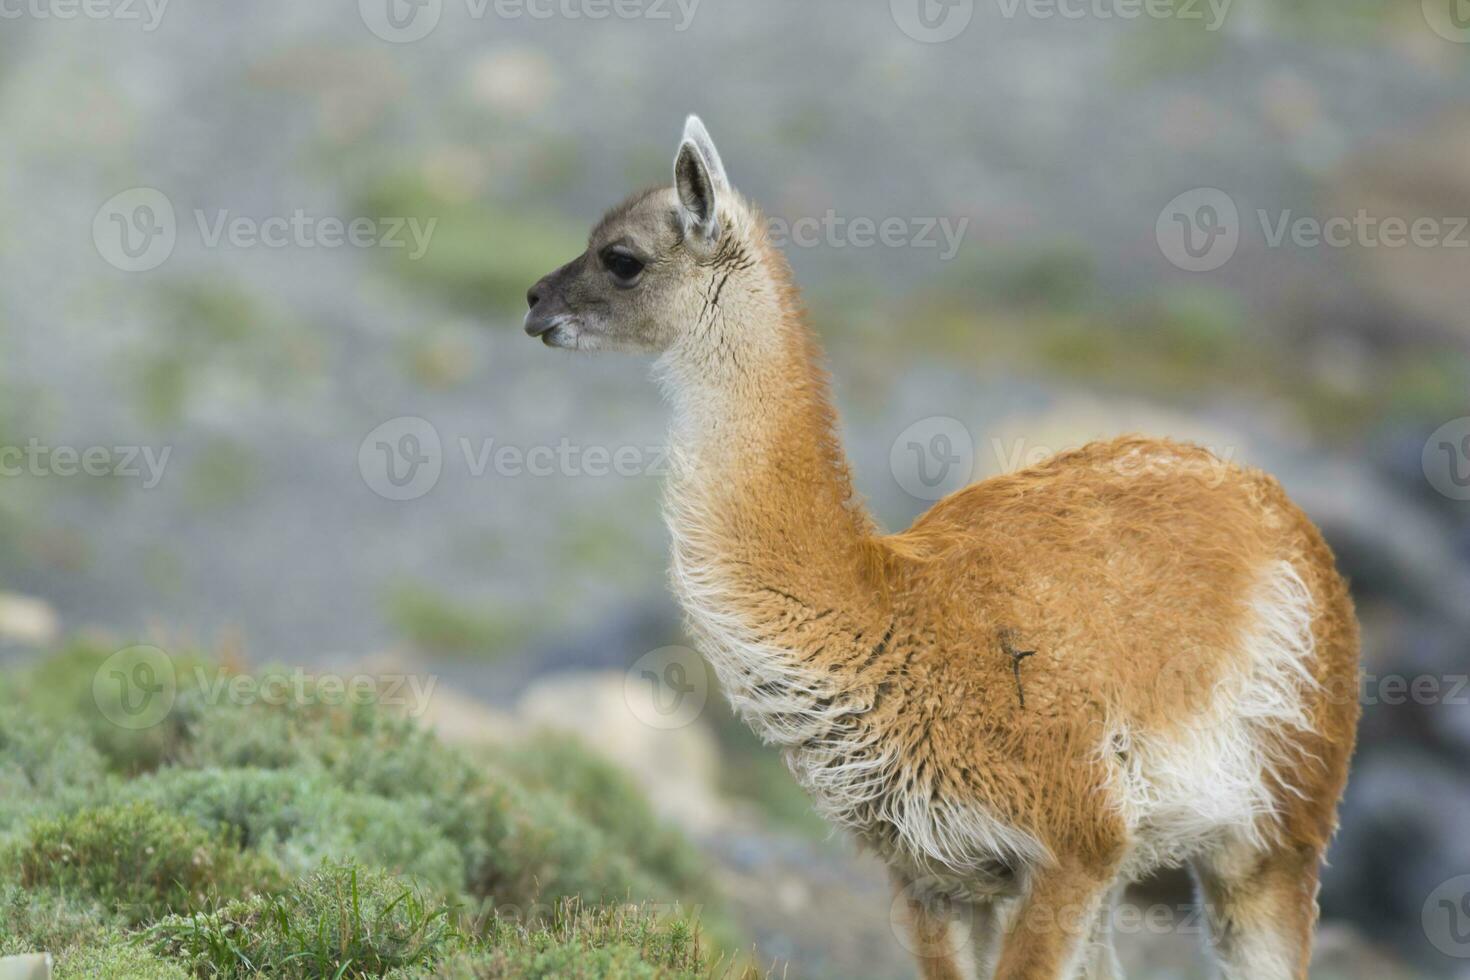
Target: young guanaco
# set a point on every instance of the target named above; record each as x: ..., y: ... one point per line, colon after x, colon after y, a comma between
x: 1129, y: 657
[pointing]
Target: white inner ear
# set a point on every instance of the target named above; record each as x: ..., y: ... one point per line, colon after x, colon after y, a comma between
x: 698, y: 193
x: 694, y: 132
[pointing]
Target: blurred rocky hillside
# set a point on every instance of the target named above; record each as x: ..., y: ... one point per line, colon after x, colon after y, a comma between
x: 243, y: 394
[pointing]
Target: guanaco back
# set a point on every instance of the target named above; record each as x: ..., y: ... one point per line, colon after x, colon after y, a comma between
x: 1129, y: 657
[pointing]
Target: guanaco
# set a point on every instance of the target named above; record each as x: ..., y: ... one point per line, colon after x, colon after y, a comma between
x: 1130, y: 657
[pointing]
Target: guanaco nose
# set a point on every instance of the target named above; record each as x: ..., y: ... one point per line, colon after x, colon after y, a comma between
x: 536, y: 323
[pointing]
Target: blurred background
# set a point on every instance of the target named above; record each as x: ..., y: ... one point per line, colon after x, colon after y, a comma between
x: 265, y: 392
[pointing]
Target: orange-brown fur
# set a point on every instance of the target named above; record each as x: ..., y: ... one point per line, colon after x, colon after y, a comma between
x: 1129, y: 570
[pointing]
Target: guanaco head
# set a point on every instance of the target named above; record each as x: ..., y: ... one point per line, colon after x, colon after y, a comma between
x: 646, y: 274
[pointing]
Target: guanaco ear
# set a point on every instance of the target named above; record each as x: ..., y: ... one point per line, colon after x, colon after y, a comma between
x: 699, y: 178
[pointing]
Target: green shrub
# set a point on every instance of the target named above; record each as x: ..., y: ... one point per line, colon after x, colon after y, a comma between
x: 49, y: 760
x: 356, y: 783
x: 43, y: 921
x: 339, y: 921
x: 607, y: 798
x: 61, y: 687
x: 117, y: 958
x: 623, y: 942
x: 185, y: 838
x: 393, y: 757
x: 82, y: 946
x: 254, y: 807
x: 43, y: 766
x: 536, y: 849
x: 361, y: 747
x: 140, y: 861
x: 233, y: 736
x: 301, y: 818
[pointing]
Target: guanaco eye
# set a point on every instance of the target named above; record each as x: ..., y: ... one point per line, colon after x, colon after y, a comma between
x: 624, y: 265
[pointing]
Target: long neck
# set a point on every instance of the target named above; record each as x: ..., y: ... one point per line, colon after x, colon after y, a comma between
x: 760, y: 484
x: 772, y: 554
